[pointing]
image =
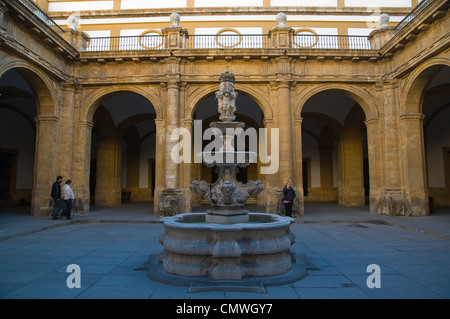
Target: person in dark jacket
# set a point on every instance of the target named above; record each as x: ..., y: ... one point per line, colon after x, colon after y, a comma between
x: 288, y: 199
x: 56, y: 195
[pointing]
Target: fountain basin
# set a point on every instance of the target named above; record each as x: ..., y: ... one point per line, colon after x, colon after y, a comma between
x: 258, y: 248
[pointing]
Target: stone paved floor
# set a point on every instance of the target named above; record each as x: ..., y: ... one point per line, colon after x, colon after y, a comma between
x: 340, y: 243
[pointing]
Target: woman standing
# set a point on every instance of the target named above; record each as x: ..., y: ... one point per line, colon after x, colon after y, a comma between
x: 288, y: 200
x: 68, y: 196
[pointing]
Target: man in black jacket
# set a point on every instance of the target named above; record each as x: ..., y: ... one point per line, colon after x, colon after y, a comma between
x: 56, y: 195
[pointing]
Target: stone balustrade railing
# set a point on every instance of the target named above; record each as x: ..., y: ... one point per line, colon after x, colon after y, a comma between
x: 241, y: 41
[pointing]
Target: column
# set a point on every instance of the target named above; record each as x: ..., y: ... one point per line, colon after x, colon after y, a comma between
x: 108, y: 190
x: 171, y: 199
x: 172, y: 122
x: 159, y: 162
x: 391, y: 201
x: 68, y: 150
x: 133, y: 167
x: 186, y: 172
x: 375, y: 163
x: 67, y: 133
x: 351, y: 173
x: 82, y: 164
x: 298, y: 166
x: 414, y: 165
x: 269, y: 196
x: 326, y: 172
x: 46, y: 164
x: 286, y: 173
x: 284, y: 122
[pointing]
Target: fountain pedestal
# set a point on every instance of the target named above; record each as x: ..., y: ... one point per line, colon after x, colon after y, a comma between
x: 227, y: 216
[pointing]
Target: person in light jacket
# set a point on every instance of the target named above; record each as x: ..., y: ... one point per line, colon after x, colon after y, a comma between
x: 68, y: 196
x: 288, y: 199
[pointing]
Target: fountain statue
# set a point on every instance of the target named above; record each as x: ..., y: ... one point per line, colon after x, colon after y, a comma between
x: 227, y: 243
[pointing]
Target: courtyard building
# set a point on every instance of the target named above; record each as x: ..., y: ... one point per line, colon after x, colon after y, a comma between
x: 359, y: 96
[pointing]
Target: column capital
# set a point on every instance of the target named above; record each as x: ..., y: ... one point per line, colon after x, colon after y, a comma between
x: 159, y: 122
x: 371, y: 122
x: 282, y: 82
x: 87, y: 123
x: 412, y: 116
x: 187, y: 123
x: 173, y: 84
x: 47, y: 118
x: 298, y: 120
x: 268, y: 122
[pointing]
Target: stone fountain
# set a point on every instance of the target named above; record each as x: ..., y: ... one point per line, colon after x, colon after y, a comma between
x: 227, y: 242
x: 227, y: 195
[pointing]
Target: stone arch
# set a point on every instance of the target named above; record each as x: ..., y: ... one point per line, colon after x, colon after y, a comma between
x: 363, y: 98
x: 42, y: 85
x: 422, y: 161
x: 47, y: 99
x: 109, y: 162
x: 414, y: 88
x: 258, y: 97
x: 350, y: 189
x: 95, y: 98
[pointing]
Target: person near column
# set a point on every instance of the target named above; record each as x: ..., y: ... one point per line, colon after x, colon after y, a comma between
x: 56, y: 195
x: 68, y: 196
x: 288, y: 199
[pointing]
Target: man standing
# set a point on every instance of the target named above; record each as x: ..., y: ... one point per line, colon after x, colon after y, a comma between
x: 56, y: 195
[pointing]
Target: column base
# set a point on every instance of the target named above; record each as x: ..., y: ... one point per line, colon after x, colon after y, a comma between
x: 392, y: 202
x: 81, y: 206
x: 297, y: 208
x: 39, y: 210
x: 172, y: 201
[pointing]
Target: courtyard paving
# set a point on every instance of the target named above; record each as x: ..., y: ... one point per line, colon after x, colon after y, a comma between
x: 412, y: 253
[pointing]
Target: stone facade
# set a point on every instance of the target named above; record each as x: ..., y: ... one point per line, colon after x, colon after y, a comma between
x: 387, y: 82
